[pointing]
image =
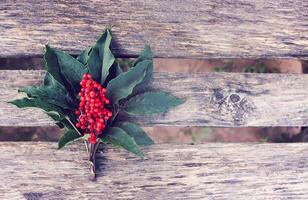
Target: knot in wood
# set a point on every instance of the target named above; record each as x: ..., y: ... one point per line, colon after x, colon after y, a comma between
x: 232, y: 106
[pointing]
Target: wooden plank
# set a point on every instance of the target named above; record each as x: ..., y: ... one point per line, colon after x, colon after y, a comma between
x: 208, y: 171
x: 211, y: 99
x: 198, y: 28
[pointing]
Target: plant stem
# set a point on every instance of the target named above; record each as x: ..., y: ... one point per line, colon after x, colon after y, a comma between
x: 73, y: 125
x: 90, y: 151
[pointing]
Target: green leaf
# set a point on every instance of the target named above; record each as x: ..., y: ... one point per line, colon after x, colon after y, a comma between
x: 149, y: 103
x: 51, y: 110
x: 52, y: 64
x: 101, y: 58
x: 114, y: 71
x: 64, y: 68
x: 71, y: 136
x: 136, y: 132
x: 71, y: 69
x: 119, y: 137
x: 54, y: 115
x: 84, y: 56
x: 52, y: 92
x: 122, y: 86
x: 146, y: 54
x: 38, y: 103
x: 117, y: 70
x: 61, y: 121
x: 106, y: 54
x: 94, y: 63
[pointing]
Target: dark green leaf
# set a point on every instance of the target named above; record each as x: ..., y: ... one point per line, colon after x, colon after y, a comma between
x: 61, y: 121
x: 71, y: 136
x: 146, y: 54
x: 59, y: 124
x: 71, y: 69
x: 94, y: 63
x: 52, y: 92
x: 54, y: 115
x: 52, y: 64
x: 117, y: 70
x: 106, y: 54
x: 101, y: 58
x: 135, y: 132
x: 122, y: 86
x: 149, y: 103
x: 119, y: 137
x: 113, y: 72
x: 38, y: 103
x: 84, y: 56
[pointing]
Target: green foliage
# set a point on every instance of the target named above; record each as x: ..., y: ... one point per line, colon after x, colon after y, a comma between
x: 259, y: 67
x: 52, y: 92
x: 119, y: 137
x: 39, y: 103
x: 224, y: 68
x: 146, y: 55
x: 126, y: 90
x: 64, y: 68
x: 137, y: 133
x: 71, y: 136
x: 149, y: 103
x: 52, y: 64
x: 108, y: 58
x: 122, y: 86
x: 100, y: 58
x: 84, y: 56
x: 71, y: 69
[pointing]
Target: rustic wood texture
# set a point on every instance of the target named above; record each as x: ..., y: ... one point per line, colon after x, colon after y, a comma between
x: 208, y: 171
x: 211, y: 99
x: 195, y: 29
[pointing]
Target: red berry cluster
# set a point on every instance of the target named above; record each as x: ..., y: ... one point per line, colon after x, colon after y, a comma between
x: 92, y: 114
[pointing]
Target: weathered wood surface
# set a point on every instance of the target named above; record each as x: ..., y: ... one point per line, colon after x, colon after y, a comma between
x: 198, y: 28
x: 208, y: 171
x: 212, y: 99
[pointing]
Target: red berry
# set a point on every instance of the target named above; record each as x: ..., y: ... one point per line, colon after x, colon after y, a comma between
x: 91, y: 112
x: 92, y: 94
x: 89, y: 76
x: 92, y: 138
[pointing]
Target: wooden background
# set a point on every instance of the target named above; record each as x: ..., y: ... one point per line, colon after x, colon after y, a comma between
x: 177, y: 29
x: 211, y: 99
x: 208, y: 171
x: 174, y: 28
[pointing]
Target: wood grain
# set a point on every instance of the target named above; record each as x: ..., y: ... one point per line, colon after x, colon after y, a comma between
x: 189, y: 28
x: 208, y: 171
x: 211, y: 99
